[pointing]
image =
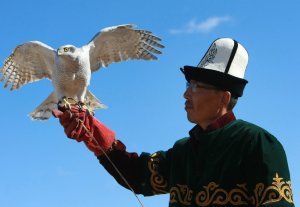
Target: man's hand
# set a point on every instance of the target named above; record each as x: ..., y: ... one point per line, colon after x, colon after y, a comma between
x: 82, y: 126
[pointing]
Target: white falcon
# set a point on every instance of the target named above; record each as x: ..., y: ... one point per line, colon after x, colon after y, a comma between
x: 70, y: 67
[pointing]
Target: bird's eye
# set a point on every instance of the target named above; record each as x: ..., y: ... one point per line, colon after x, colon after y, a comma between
x: 66, y: 49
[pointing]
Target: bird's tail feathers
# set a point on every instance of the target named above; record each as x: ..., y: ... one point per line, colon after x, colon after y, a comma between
x: 44, y: 110
x: 92, y: 102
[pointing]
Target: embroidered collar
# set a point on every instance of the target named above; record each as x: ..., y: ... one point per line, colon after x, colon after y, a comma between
x: 219, y: 123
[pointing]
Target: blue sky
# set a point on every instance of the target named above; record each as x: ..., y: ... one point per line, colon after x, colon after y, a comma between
x: 41, y: 167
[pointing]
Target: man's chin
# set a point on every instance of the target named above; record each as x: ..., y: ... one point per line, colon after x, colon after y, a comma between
x: 191, y: 119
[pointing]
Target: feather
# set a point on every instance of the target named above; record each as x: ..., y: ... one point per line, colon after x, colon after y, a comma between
x: 69, y: 68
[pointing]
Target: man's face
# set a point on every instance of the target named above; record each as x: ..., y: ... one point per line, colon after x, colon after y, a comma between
x: 203, y: 103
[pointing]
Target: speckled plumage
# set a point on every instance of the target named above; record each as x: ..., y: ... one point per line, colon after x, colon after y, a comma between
x: 69, y: 68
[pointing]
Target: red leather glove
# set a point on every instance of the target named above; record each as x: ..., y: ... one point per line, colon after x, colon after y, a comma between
x: 82, y: 126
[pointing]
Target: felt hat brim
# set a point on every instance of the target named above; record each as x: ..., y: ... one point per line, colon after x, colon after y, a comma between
x: 218, y: 79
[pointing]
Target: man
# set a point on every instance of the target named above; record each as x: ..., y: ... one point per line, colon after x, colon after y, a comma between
x: 224, y: 162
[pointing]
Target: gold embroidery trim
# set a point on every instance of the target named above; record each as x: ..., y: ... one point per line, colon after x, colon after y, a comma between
x: 182, y: 193
x: 274, y: 193
x: 158, y: 183
x: 212, y: 194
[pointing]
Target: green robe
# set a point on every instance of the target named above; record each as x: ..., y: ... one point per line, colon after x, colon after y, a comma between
x: 239, y: 164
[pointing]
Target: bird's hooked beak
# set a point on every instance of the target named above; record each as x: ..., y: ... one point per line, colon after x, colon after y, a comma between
x: 59, y: 51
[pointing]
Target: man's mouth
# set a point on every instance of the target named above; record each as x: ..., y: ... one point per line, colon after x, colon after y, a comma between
x: 188, y: 105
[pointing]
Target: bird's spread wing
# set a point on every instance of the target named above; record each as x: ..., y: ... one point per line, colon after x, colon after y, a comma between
x: 29, y: 62
x: 123, y: 42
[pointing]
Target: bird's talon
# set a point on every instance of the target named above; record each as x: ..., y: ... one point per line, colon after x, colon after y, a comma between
x: 66, y: 103
x: 83, y: 106
x: 79, y: 104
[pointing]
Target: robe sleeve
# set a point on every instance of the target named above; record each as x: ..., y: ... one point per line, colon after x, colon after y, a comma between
x: 146, y: 173
x: 267, y: 173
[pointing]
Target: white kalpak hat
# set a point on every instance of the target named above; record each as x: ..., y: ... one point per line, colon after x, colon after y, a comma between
x: 223, y: 66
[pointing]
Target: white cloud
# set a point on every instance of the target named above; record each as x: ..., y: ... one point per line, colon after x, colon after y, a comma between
x: 201, y: 27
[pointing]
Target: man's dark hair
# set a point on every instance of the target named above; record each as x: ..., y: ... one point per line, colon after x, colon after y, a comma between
x: 232, y: 103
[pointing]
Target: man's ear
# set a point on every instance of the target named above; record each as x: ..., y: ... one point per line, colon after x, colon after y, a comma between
x: 226, y: 98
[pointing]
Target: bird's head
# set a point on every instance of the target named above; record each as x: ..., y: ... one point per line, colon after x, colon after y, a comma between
x: 68, y: 51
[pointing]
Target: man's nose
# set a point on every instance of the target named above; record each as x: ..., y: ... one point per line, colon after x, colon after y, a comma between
x: 187, y: 93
